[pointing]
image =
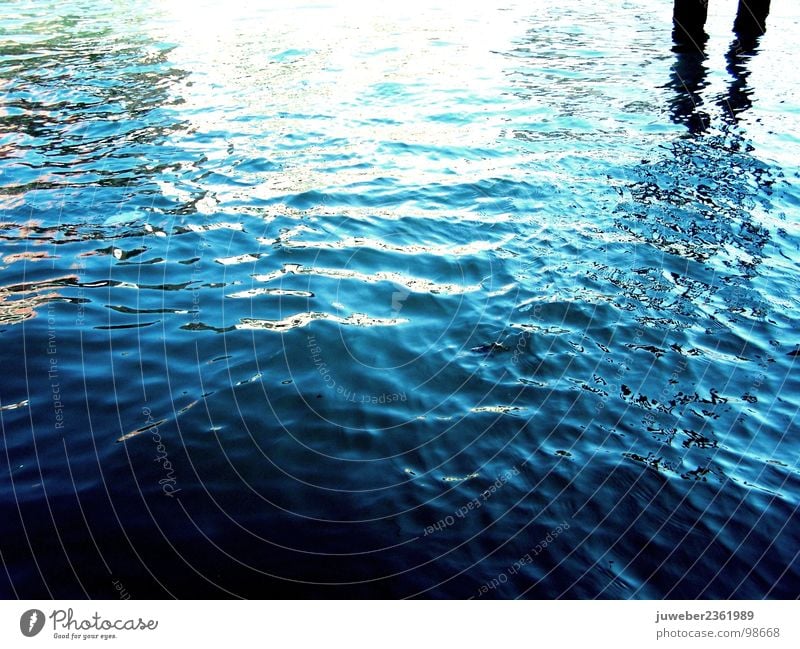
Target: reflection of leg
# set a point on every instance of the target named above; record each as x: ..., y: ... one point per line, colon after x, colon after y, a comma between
x: 738, y: 98
x: 688, y: 80
x: 750, y: 24
x: 689, y: 20
x: 751, y: 19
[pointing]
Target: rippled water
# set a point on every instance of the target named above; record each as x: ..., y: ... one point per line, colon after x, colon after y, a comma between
x: 492, y: 301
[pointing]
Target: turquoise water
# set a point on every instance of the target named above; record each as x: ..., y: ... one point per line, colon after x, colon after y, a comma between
x: 488, y: 302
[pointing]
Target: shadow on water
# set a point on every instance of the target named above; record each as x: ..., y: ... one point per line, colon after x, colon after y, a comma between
x: 690, y: 224
x: 749, y: 26
x: 699, y: 207
x: 689, y: 71
x: 716, y: 150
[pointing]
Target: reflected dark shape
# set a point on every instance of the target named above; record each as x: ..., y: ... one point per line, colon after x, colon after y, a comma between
x: 688, y: 74
x: 687, y: 80
x: 689, y: 21
x: 749, y: 26
x: 700, y: 198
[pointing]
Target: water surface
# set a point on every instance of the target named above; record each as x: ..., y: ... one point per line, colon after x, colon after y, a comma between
x: 492, y: 302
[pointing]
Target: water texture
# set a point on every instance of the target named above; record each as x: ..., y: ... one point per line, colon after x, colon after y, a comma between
x: 419, y: 301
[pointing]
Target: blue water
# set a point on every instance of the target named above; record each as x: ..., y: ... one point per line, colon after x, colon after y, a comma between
x: 488, y: 302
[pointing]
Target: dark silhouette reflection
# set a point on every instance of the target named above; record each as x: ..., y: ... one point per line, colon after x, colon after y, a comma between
x: 710, y: 157
x: 691, y: 215
x: 688, y: 80
x: 688, y: 74
x: 689, y: 21
x: 749, y: 26
x: 700, y: 203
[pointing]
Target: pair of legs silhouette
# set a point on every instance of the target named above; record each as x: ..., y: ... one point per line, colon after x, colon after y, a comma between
x: 689, y: 19
x: 689, y: 70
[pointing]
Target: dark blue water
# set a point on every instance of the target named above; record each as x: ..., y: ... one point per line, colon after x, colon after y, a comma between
x: 441, y: 302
